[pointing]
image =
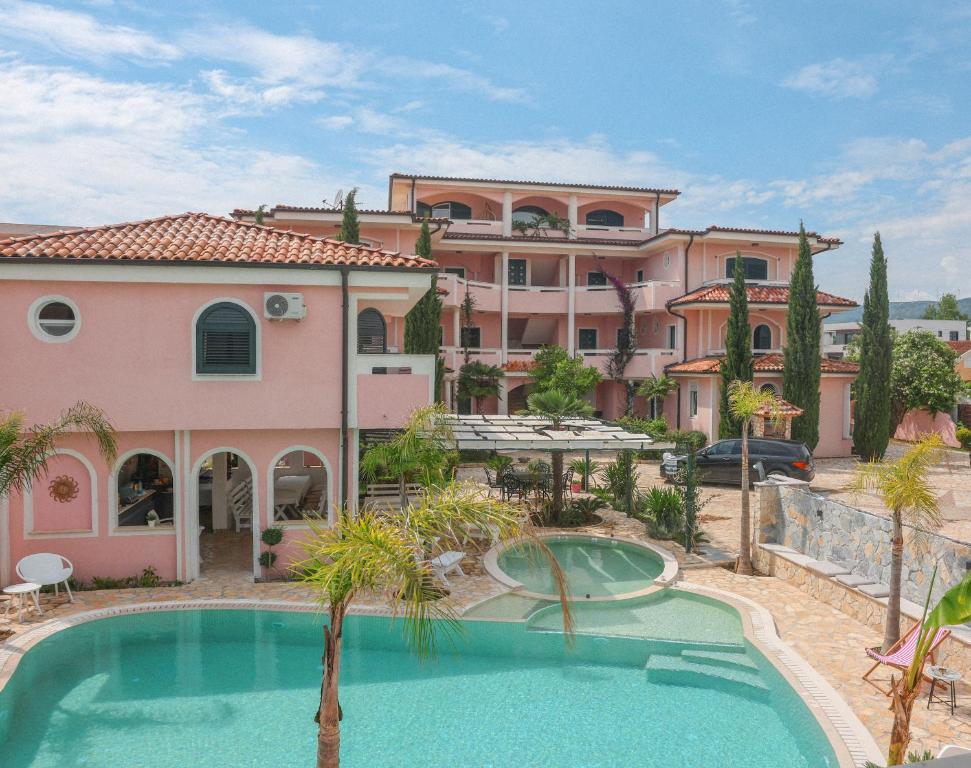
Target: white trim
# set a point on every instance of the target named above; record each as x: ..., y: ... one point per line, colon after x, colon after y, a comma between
x: 192, y: 510
x: 28, y: 498
x: 847, y: 424
x: 33, y: 321
x: 179, y: 488
x: 271, y: 481
x: 136, y: 530
x: 5, y: 538
x: 80, y: 272
x: 258, y: 376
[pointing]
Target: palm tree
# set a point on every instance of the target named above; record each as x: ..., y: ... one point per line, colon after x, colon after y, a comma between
x: 478, y: 380
x: 746, y: 403
x: 557, y: 406
x: 904, y: 489
x: 655, y: 389
x: 24, y: 453
x: 954, y: 608
x: 370, y: 553
x: 419, y: 453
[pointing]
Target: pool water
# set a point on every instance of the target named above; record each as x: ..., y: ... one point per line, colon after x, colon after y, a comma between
x: 238, y: 689
x: 594, y: 566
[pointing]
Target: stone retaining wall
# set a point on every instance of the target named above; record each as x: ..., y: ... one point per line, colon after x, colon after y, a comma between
x: 787, y: 513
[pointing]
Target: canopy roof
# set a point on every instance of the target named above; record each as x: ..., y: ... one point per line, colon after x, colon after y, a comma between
x: 535, y: 433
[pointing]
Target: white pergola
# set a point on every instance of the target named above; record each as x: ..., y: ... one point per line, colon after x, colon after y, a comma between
x: 536, y: 433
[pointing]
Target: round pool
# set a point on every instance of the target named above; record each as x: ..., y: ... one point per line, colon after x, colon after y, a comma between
x: 596, y: 567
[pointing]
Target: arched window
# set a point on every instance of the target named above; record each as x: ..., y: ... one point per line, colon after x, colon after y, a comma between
x: 762, y: 337
x: 605, y: 218
x: 528, y: 214
x: 225, y: 340
x: 145, y: 491
x: 755, y: 269
x: 371, y: 332
x: 446, y: 210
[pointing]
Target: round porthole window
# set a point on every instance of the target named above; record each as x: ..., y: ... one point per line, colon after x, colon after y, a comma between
x: 54, y: 318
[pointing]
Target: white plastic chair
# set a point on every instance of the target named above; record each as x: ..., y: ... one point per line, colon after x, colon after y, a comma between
x: 47, y: 569
x: 447, y: 562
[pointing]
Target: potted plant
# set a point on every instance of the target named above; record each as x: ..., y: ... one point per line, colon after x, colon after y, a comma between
x: 152, y: 518
x: 271, y: 537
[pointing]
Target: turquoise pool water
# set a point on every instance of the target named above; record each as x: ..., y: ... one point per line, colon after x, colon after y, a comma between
x: 238, y: 689
x: 594, y: 566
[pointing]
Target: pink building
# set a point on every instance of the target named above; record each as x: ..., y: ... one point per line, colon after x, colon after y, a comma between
x: 535, y: 285
x: 239, y: 364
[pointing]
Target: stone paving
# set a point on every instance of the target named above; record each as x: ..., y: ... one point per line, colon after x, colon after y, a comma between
x: 829, y: 640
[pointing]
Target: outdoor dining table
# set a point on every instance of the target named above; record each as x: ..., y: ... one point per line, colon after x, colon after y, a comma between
x: 530, y: 480
x: 289, y: 492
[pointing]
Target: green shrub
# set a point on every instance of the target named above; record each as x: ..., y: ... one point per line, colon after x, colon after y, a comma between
x: 148, y: 579
x: 662, y: 512
x: 693, y: 438
x: 616, y: 477
x: 579, y: 465
x: 964, y: 437
x: 271, y: 536
x: 267, y: 558
x: 499, y: 463
x: 656, y: 428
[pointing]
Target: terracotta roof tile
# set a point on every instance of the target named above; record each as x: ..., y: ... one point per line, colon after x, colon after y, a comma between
x: 782, y: 408
x: 757, y: 294
x: 199, y: 237
x: 420, y: 177
x: 238, y: 213
x: 960, y: 346
x: 771, y: 363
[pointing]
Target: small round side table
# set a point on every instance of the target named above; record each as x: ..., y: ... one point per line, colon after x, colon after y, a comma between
x: 947, y: 678
x: 21, y: 592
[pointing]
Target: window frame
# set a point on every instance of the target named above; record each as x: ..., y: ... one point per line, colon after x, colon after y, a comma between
x: 672, y: 336
x: 692, y: 400
x: 425, y: 209
x: 525, y: 263
x: 457, y: 271
x: 256, y: 342
x: 114, y: 505
x: 384, y: 326
x: 746, y: 262
x: 474, y: 333
x: 535, y: 210
x: 755, y: 336
x: 598, y: 276
x: 33, y: 319
x: 588, y: 214
x: 580, y: 332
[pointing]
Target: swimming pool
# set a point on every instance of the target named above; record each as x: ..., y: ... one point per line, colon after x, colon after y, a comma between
x: 238, y: 689
x: 594, y: 566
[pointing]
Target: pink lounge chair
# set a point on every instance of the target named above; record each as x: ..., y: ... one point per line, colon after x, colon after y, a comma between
x: 902, y: 653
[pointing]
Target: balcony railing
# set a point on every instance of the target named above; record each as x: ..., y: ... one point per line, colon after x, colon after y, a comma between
x: 645, y: 363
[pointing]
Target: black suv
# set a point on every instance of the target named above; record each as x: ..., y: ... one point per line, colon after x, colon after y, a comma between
x: 721, y: 462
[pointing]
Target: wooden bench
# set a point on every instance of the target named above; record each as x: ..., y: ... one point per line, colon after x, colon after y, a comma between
x: 387, y: 495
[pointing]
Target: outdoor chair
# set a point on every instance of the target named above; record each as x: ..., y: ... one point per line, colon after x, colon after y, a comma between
x: 446, y: 563
x: 47, y: 570
x: 494, y: 481
x: 512, y: 487
x: 568, y: 483
x: 902, y: 653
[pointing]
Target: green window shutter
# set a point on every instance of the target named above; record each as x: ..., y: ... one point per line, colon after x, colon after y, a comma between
x: 226, y: 340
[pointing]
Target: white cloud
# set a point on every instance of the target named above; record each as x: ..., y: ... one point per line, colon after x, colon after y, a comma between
x: 740, y: 12
x: 79, y: 35
x: 245, y: 95
x: 837, y: 79
x: 336, y: 122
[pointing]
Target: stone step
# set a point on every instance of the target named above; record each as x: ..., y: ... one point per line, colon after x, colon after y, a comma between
x: 676, y: 670
x: 722, y: 659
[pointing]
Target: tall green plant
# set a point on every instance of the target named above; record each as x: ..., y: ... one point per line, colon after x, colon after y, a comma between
x: 656, y: 389
x: 945, y: 309
x: 391, y: 555
x: 350, y: 231
x: 802, y: 355
x: 747, y: 403
x: 922, y: 375
x: 557, y: 406
x: 478, y: 380
x: 737, y: 364
x: 871, y: 427
x: 905, y: 489
x: 553, y: 368
x: 423, y: 323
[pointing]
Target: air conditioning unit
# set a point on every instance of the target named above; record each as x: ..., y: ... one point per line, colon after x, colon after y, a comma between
x: 284, y: 306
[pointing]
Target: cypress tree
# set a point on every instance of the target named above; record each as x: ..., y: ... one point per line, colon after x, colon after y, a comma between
x: 350, y: 231
x: 871, y: 427
x: 802, y: 356
x: 737, y: 363
x: 424, y: 321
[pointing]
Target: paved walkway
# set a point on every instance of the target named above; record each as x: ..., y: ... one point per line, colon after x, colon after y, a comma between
x: 829, y: 640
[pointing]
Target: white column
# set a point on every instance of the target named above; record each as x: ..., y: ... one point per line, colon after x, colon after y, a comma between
x: 571, y: 319
x: 5, y: 537
x: 220, y: 488
x: 505, y: 306
x: 503, y: 396
x: 355, y: 448
x: 506, y: 214
x: 457, y: 328
x: 572, y: 215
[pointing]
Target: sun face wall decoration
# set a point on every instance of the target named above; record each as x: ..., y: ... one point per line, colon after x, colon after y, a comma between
x: 63, y: 488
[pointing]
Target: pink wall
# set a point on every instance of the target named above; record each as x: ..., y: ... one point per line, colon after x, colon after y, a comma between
x: 707, y: 260
x: 386, y: 401
x: 707, y: 328
x: 917, y: 423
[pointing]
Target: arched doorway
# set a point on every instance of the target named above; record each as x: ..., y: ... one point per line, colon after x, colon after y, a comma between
x: 226, y: 519
x: 299, y: 486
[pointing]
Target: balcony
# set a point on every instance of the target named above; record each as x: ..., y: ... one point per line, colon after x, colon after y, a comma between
x: 531, y: 299
x: 623, y: 234
x: 648, y: 296
x: 390, y: 386
x: 460, y: 227
x: 646, y: 362
x: 454, y: 357
x: 487, y: 296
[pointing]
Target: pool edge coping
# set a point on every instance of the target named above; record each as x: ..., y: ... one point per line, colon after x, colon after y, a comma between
x: 490, y: 563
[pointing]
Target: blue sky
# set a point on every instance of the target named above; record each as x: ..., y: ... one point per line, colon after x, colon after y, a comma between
x: 851, y: 116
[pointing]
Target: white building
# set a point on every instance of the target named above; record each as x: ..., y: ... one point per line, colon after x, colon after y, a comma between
x: 837, y: 335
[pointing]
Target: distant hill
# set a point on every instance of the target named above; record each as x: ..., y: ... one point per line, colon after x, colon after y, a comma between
x: 899, y: 310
